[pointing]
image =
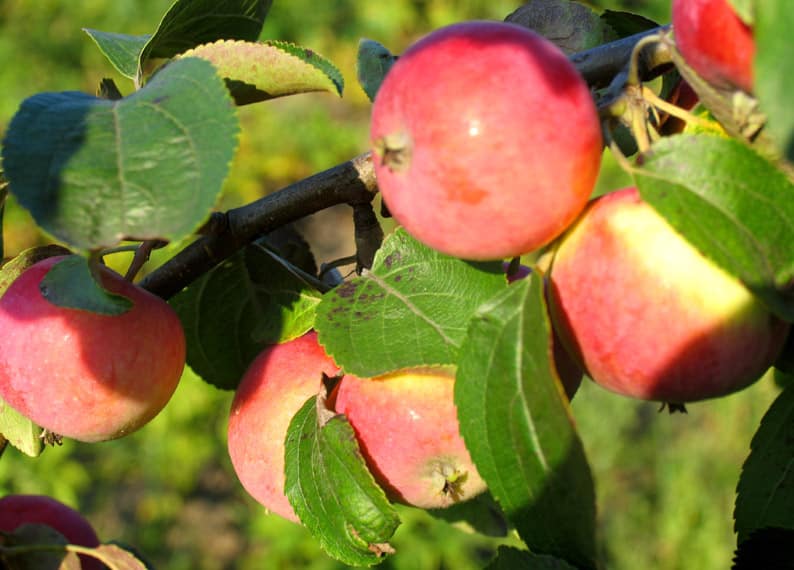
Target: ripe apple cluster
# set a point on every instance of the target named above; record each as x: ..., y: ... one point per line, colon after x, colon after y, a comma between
x: 487, y: 143
x: 405, y: 423
x: 84, y: 375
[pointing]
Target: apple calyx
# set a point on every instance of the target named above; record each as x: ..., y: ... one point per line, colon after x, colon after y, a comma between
x: 394, y: 151
x: 451, y: 479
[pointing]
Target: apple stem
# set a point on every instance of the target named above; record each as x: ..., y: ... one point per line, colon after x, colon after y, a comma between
x: 142, y: 254
x: 677, y: 111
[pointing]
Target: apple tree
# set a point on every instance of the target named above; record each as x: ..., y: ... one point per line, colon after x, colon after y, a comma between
x: 438, y: 373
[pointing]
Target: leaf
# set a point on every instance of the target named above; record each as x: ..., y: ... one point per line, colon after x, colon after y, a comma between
x: 411, y: 309
x: 372, y: 64
x: 765, y: 493
x: 190, y: 23
x: 70, y: 283
x: 231, y: 313
x: 517, y: 425
x: 509, y: 558
x: 765, y: 548
x: 571, y: 26
x: 331, y: 489
x: 117, y: 558
x: 3, y: 197
x: 732, y: 205
x: 149, y: 166
x: 774, y: 70
x: 122, y: 50
x: 51, y: 556
x: 626, y: 24
x: 20, y: 431
x: 260, y: 71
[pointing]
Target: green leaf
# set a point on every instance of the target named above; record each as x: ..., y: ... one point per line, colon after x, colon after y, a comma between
x: 571, y: 26
x: 149, y: 166
x: 626, y: 24
x: 331, y: 489
x: 71, y: 284
x: 51, y: 555
x: 190, y: 23
x: 231, y: 313
x: 509, y: 558
x: 731, y: 204
x: 260, y: 71
x: 765, y: 494
x: 122, y: 50
x: 411, y: 309
x: 3, y: 196
x: 774, y: 70
x: 20, y: 432
x: 372, y: 64
x: 517, y: 425
x: 765, y: 548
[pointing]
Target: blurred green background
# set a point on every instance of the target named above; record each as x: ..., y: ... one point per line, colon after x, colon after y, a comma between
x: 665, y: 483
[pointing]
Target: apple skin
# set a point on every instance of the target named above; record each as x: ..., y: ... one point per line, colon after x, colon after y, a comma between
x: 83, y: 375
x: 17, y: 510
x: 569, y: 372
x: 715, y: 42
x: 477, y: 122
x: 648, y: 316
x: 275, y: 386
x: 407, y: 427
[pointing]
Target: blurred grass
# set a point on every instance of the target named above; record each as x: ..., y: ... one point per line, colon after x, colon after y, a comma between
x: 665, y: 483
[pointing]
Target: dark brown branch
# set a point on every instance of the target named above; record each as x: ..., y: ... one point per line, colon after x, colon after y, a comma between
x: 601, y: 64
x: 352, y: 182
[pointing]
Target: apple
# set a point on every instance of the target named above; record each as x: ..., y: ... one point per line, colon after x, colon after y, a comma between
x: 715, y: 42
x: 83, y: 375
x: 407, y: 427
x: 17, y: 510
x: 275, y: 386
x: 647, y: 315
x: 569, y: 372
x: 486, y: 141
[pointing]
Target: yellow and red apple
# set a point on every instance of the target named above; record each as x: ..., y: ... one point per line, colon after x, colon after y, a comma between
x: 407, y: 427
x: 648, y: 316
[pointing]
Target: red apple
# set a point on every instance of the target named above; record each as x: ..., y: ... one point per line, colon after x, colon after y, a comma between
x: 275, y: 386
x: 17, y: 510
x: 83, y: 375
x: 407, y: 427
x: 486, y: 140
x: 715, y: 42
x: 569, y: 372
x: 650, y: 317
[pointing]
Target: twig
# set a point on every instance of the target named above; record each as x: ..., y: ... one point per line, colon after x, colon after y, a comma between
x: 351, y: 182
